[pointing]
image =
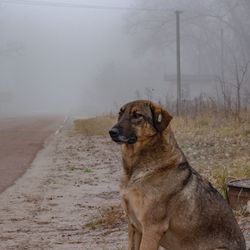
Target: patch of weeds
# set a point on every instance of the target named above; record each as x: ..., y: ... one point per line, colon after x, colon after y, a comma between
x: 95, y: 126
x: 247, y: 131
x: 87, y: 170
x: 241, y: 212
x: 221, y: 180
x: 109, y: 218
x: 240, y: 168
x: 93, y: 225
x: 229, y: 131
x: 202, y: 122
x: 221, y: 175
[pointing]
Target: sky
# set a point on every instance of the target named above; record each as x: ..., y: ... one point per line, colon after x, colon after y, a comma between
x: 86, y: 62
x: 52, y: 58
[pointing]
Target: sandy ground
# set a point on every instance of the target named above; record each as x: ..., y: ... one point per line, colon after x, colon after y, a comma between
x: 57, y: 202
x: 69, y: 183
x: 20, y: 140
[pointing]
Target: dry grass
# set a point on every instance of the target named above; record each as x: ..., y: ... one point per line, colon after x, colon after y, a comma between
x: 218, y: 147
x: 95, y: 126
x: 110, y: 217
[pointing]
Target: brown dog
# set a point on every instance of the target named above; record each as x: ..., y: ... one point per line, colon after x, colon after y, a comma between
x: 167, y: 202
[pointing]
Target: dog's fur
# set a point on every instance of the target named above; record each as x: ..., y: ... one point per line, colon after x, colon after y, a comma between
x: 167, y: 202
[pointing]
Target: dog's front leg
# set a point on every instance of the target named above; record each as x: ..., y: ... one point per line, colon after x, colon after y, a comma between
x: 134, y: 238
x: 150, y: 240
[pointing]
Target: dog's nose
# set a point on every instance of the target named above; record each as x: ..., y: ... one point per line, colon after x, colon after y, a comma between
x: 114, y: 132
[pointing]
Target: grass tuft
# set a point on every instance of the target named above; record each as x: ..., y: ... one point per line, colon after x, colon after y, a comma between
x: 109, y: 217
x: 88, y: 170
x: 94, y: 126
x: 221, y: 180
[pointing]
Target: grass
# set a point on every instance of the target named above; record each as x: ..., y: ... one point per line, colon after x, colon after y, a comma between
x: 95, y: 126
x: 216, y: 146
x: 221, y: 180
x: 109, y: 217
x: 219, y: 125
x: 88, y: 170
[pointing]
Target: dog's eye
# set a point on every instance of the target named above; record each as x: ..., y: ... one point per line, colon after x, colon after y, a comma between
x: 120, y: 113
x: 137, y: 115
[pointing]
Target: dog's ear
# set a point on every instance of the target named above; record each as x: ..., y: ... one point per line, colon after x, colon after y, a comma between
x: 161, y: 118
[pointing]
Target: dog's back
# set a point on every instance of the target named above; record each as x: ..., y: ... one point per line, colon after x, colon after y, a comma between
x: 201, y: 218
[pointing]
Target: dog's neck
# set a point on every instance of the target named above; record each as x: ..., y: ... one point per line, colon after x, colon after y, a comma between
x: 161, y: 150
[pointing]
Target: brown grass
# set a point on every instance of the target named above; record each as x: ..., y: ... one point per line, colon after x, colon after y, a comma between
x: 216, y: 146
x: 95, y: 126
x: 110, y: 217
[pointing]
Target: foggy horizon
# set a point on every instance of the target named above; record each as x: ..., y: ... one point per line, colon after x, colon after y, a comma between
x: 87, y: 61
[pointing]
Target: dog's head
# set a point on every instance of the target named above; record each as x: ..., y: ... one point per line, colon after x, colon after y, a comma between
x: 138, y: 121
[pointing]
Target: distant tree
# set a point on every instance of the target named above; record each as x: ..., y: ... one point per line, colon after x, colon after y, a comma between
x: 240, y: 75
x: 137, y: 95
x: 149, y: 93
x: 215, y: 34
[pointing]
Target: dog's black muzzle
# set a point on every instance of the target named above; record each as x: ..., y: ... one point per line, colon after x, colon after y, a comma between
x: 118, y: 137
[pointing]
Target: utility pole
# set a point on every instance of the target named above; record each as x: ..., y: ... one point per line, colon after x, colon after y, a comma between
x: 222, y: 54
x: 178, y: 60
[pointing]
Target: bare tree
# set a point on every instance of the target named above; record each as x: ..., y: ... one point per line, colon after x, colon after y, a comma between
x: 240, y: 75
x: 137, y: 95
x: 205, y: 48
x: 149, y: 93
x: 226, y: 92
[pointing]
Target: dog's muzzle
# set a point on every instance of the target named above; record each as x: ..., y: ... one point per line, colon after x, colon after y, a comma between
x: 117, y: 137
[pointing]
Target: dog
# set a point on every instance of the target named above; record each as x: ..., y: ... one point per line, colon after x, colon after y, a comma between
x: 166, y: 201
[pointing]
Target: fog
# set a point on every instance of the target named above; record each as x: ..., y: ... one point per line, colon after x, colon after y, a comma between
x: 83, y: 61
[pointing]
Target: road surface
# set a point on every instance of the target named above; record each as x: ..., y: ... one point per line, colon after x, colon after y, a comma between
x: 20, y: 141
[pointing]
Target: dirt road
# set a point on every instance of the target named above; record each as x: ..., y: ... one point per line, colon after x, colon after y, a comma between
x: 67, y: 199
x: 20, y: 140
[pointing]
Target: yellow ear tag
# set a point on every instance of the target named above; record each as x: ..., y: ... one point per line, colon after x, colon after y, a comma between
x: 159, y: 118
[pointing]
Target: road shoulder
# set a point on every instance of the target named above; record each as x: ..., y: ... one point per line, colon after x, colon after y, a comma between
x: 60, y: 201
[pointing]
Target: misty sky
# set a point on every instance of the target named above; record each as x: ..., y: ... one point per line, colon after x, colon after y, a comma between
x: 86, y: 62
x: 53, y: 58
